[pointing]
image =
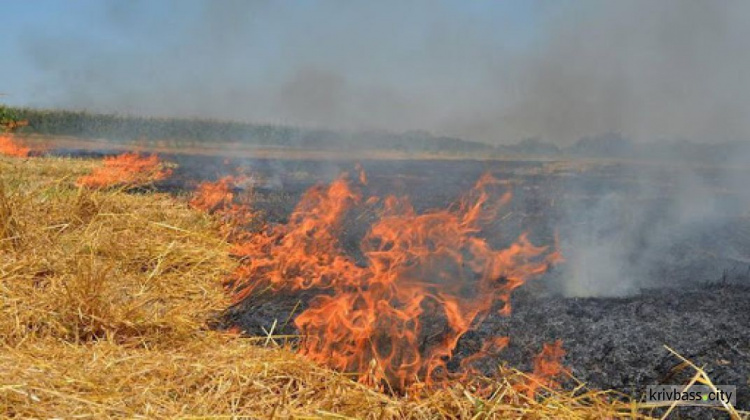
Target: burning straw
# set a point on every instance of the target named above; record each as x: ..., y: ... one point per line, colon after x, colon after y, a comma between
x: 428, y: 279
x: 107, y: 299
x: 8, y: 144
x: 9, y: 147
x: 127, y: 169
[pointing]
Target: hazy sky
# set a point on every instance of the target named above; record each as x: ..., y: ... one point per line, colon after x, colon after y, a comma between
x: 495, y: 71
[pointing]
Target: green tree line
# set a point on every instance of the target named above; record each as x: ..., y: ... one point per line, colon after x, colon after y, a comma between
x: 127, y: 128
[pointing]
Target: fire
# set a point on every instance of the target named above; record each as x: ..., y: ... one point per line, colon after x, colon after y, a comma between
x: 219, y: 198
x: 491, y: 347
x: 396, y: 315
x: 547, y: 367
x: 304, y: 253
x: 129, y: 169
x: 214, y: 196
x: 9, y: 148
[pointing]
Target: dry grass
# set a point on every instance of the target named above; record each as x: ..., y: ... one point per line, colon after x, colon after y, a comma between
x: 80, y: 265
x: 215, y: 376
x: 106, y: 298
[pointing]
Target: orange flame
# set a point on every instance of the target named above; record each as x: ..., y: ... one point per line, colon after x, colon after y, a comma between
x: 491, y: 347
x: 547, y: 367
x: 9, y: 148
x: 304, y: 253
x: 126, y: 169
x: 427, y: 279
x: 213, y: 196
x: 219, y: 198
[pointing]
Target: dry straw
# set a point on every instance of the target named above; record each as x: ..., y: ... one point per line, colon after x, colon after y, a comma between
x: 106, y: 298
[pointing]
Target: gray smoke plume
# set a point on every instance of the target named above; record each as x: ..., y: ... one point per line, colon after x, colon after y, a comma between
x: 648, y: 70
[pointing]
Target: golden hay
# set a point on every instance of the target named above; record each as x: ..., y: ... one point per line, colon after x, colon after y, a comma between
x: 106, y: 301
x: 81, y: 265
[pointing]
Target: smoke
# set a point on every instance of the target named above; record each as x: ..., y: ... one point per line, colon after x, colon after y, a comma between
x: 633, y: 227
x: 491, y: 72
x: 648, y: 70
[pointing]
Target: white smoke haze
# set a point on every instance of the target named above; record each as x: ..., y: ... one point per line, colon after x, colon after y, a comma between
x: 652, y: 71
x: 676, y: 225
x: 648, y: 70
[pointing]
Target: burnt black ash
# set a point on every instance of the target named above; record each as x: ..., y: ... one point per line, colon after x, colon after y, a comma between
x: 611, y: 342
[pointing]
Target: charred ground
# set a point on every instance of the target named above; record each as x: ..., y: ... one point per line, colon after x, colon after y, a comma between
x: 695, y: 298
x: 610, y: 343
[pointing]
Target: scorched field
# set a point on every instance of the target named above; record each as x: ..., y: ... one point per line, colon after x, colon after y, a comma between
x: 137, y: 285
